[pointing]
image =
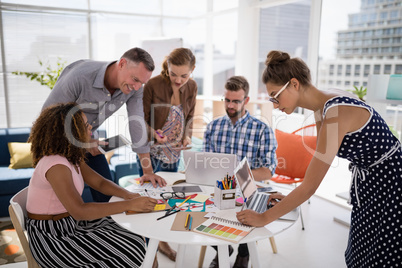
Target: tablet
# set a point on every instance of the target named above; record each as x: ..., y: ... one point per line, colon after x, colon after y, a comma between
x: 114, y: 143
x: 187, y: 188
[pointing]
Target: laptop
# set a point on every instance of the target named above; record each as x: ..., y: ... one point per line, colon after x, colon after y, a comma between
x: 206, y: 168
x: 256, y: 200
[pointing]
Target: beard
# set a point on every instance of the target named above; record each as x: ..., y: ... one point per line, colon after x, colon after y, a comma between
x: 233, y: 113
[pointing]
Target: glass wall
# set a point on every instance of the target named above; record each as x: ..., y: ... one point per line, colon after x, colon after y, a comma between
x: 31, y: 37
x: 364, y: 37
x: 59, y: 31
x: 285, y: 28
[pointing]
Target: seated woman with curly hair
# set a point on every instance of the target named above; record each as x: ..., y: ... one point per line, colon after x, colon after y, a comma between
x: 63, y: 230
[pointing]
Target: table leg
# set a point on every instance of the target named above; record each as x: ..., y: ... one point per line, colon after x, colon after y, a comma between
x: 252, y: 249
x: 150, y: 254
x: 223, y: 256
x: 180, y: 255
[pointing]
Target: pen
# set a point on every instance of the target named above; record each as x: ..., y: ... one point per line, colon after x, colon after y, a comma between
x: 160, y: 136
x: 191, y: 221
x: 244, y: 203
x: 184, y: 201
x: 146, y: 191
x: 185, y: 225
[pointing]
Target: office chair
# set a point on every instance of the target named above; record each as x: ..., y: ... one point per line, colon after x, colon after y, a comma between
x: 18, y: 213
x: 294, y: 153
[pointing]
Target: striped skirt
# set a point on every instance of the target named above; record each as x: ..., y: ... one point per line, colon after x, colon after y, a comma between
x: 96, y: 243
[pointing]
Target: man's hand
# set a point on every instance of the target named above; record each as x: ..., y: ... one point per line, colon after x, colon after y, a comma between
x: 154, y: 179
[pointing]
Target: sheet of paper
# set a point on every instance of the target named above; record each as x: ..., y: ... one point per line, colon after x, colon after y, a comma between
x: 201, y: 198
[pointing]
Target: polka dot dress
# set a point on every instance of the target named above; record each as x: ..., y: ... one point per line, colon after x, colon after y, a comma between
x: 375, y: 238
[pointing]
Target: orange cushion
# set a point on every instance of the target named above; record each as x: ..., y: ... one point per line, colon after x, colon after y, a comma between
x: 294, y: 153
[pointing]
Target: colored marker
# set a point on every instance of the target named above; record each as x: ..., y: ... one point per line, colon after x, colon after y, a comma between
x: 191, y: 221
x: 160, y: 136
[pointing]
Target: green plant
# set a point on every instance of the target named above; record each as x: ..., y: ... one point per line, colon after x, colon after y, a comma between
x: 359, y: 92
x: 48, y: 77
x: 394, y: 131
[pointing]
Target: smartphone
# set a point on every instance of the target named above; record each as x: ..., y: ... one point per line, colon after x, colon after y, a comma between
x: 114, y: 143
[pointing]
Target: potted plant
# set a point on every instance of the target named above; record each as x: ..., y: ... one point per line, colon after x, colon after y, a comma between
x: 48, y: 77
x: 360, y: 92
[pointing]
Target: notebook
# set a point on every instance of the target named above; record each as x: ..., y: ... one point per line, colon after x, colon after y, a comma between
x: 256, y: 200
x: 224, y: 225
x: 206, y: 168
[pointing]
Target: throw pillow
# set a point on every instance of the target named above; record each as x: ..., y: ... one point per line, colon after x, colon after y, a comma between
x: 108, y: 156
x: 294, y: 153
x: 20, y: 153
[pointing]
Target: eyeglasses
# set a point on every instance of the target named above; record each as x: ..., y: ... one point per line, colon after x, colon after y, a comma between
x: 169, y: 195
x: 236, y: 102
x: 274, y: 99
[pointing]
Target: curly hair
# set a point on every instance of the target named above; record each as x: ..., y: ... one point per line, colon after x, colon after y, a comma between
x: 280, y: 68
x: 179, y: 56
x: 59, y: 130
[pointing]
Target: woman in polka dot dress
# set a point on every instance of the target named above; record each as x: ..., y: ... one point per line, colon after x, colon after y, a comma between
x: 351, y: 129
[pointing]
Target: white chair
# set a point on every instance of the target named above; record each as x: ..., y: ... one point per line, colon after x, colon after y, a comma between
x: 18, y: 213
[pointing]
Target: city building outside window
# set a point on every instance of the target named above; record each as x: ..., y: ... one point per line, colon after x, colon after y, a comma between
x: 387, y: 68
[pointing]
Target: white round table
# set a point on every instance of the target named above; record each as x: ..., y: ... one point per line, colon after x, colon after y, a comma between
x: 145, y: 224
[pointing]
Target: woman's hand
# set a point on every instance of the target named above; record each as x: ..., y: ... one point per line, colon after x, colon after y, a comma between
x: 275, y: 198
x: 186, y: 141
x: 142, y: 204
x: 131, y: 195
x: 160, y: 138
x: 250, y: 217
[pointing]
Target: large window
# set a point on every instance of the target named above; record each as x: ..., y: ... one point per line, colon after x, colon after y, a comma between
x: 56, y: 30
x: 285, y: 28
x: 30, y: 37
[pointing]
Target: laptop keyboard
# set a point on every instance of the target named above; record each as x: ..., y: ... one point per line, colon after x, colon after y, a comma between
x: 259, y: 203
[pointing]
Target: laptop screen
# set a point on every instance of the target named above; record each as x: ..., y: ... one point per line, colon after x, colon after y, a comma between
x: 245, y: 179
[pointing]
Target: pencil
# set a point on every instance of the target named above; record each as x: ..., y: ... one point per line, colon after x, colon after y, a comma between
x: 184, y: 201
x: 188, y: 216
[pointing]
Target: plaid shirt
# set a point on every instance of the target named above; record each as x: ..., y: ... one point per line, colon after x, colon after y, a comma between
x: 249, y: 137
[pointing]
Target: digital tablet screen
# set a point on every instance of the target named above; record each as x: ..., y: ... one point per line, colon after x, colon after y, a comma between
x: 114, y: 143
x: 187, y: 189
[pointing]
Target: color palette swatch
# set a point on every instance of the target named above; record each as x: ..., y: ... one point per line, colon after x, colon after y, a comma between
x: 225, y: 229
